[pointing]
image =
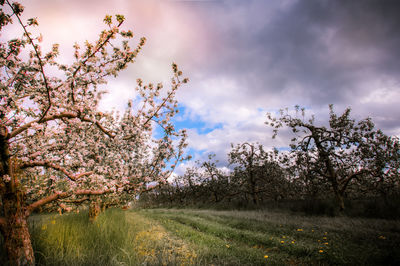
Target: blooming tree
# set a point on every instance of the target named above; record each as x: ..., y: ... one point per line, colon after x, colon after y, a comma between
x: 55, y: 144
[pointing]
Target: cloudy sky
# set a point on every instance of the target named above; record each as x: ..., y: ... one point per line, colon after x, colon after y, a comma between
x: 248, y: 57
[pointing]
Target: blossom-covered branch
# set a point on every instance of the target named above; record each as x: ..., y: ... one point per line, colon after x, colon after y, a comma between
x: 35, y: 47
x: 68, y: 115
x: 54, y: 166
x: 61, y: 195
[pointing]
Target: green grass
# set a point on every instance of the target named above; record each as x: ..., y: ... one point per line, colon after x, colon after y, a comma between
x: 245, y: 237
x: 72, y: 240
x: 205, y: 237
x: 116, y: 238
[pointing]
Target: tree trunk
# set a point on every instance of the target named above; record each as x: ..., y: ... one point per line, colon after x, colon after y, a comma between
x: 340, y: 201
x: 254, y: 194
x: 14, y: 228
x: 339, y: 194
x: 17, y: 240
x: 216, y: 199
x: 252, y: 183
x: 94, y: 210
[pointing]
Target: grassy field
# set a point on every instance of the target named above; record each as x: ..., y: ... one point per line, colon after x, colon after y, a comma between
x: 259, y: 237
x: 205, y: 237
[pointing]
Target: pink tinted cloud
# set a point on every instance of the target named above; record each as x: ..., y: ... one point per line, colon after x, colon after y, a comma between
x: 174, y: 32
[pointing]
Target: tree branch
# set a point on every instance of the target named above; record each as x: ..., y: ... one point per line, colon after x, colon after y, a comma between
x: 61, y: 195
x: 77, y: 201
x: 46, y: 85
x: 153, y: 115
x: 55, y: 167
x: 87, y: 58
x: 45, y: 119
x: 345, y: 182
x: 69, y: 115
x: 3, y: 223
x: 148, y: 189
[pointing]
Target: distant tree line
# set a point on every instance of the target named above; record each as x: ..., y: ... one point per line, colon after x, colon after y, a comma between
x: 345, y: 160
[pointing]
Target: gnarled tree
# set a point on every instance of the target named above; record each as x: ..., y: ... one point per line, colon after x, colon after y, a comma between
x: 343, y: 153
x: 54, y: 141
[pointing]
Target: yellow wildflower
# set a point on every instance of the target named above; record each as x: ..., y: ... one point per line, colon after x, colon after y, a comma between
x: 282, y: 242
x: 53, y: 221
x: 299, y: 230
x: 320, y: 251
x: 293, y: 241
x: 326, y: 243
x: 382, y: 237
x: 266, y: 256
x: 324, y: 238
x: 227, y: 246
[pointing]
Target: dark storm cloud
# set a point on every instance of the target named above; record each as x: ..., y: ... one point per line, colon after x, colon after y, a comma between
x: 311, y: 52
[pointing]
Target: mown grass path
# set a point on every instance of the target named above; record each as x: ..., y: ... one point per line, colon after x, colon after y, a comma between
x: 205, y: 237
x: 263, y: 238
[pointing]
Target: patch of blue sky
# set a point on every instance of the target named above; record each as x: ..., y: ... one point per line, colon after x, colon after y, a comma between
x: 195, y: 153
x: 158, y: 132
x: 262, y: 110
x: 184, y: 120
x: 283, y: 148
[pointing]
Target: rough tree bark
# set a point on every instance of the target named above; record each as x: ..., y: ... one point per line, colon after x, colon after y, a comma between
x: 17, y: 240
x: 94, y: 210
x: 14, y: 225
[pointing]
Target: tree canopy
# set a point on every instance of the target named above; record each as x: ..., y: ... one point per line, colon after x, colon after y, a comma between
x: 343, y: 153
x: 56, y: 143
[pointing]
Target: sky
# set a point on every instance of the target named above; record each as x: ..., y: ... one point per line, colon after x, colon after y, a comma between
x: 245, y: 58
